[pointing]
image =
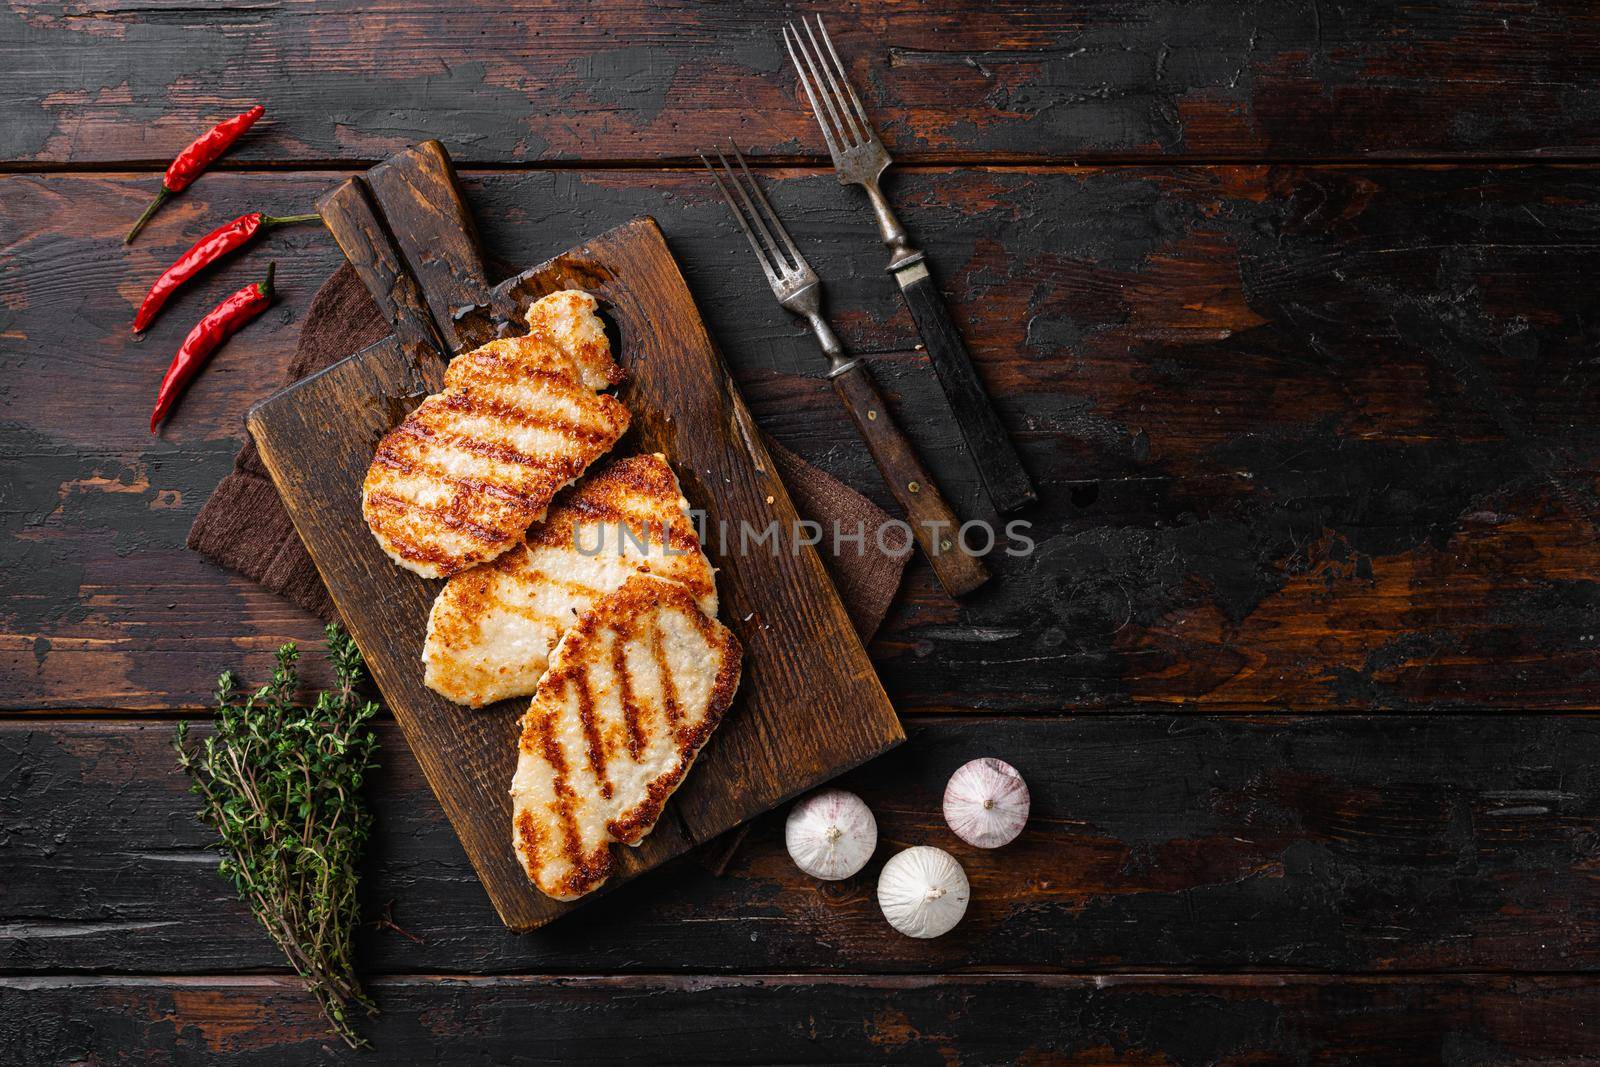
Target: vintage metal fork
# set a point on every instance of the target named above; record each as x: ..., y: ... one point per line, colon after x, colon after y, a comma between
x: 860, y: 159
x: 798, y: 290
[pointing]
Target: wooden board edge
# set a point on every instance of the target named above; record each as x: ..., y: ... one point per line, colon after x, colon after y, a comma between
x: 889, y: 726
x: 253, y: 413
x: 401, y: 718
x: 566, y: 907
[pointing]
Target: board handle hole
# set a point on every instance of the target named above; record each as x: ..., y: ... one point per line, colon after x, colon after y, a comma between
x: 612, y: 325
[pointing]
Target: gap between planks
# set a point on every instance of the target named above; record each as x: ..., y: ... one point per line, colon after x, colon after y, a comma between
x: 288, y: 979
x: 1586, y: 160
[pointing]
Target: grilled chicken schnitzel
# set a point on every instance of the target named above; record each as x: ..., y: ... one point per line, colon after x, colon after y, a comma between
x: 492, y: 628
x: 464, y: 476
x: 633, y: 692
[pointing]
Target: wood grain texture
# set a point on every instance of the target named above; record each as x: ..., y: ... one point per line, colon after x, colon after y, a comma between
x: 431, y: 223
x: 1245, y: 1019
x: 1310, y: 437
x: 645, y: 79
x: 937, y: 529
x: 350, y: 215
x: 1334, y: 844
x: 809, y: 704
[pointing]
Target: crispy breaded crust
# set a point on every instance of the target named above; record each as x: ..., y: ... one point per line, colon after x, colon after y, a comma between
x: 633, y: 693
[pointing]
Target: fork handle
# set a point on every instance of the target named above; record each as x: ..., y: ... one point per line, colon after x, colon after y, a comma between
x: 933, y: 523
x: 987, y: 440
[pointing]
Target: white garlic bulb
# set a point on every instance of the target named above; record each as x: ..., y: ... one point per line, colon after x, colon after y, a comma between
x: 831, y: 834
x: 986, y: 803
x: 923, y: 892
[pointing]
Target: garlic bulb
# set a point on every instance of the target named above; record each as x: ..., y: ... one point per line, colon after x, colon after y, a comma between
x: 986, y: 803
x: 923, y: 892
x: 831, y: 834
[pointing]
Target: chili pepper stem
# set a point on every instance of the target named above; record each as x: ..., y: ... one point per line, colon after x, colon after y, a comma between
x: 222, y: 241
x: 219, y: 324
x: 193, y: 160
x: 161, y: 198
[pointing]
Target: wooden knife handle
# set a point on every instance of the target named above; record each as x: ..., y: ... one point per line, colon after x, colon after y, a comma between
x: 932, y: 522
x: 987, y: 440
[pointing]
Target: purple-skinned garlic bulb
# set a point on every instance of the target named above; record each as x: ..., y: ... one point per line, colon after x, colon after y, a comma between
x: 986, y: 803
x: 831, y: 834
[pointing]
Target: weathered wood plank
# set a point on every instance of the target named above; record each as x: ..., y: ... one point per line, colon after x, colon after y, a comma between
x: 112, y: 80
x: 979, y: 1019
x: 1329, y: 843
x: 1309, y: 436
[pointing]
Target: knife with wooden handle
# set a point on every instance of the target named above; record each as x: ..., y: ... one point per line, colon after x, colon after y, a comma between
x: 990, y: 445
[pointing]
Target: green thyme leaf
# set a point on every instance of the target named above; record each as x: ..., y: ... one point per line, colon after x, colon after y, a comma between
x: 280, y: 783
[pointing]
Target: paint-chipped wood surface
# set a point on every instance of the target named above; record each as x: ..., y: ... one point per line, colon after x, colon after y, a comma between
x: 1289, y: 309
x: 103, y: 81
x: 1315, y: 438
x: 1288, y: 843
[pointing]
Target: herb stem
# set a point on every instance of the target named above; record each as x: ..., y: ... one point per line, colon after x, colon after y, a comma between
x: 282, y: 785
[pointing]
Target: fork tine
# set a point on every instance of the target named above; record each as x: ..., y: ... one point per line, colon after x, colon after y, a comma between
x: 866, y: 123
x: 738, y: 215
x: 777, y: 222
x: 855, y: 136
x: 821, y: 103
x: 779, y: 265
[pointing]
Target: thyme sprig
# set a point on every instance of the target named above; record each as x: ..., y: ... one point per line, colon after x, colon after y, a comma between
x: 281, y: 784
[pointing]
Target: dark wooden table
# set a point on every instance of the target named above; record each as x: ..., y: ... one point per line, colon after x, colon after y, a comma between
x: 1292, y: 310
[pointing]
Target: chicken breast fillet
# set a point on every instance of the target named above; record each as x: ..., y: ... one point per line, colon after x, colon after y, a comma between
x: 633, y: 692
x: 492, y: 628
x: 464, y: 476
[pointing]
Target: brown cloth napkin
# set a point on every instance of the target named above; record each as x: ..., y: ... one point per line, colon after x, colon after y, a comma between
x: 244, y: 526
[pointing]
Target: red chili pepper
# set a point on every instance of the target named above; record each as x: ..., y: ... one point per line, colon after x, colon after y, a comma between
x: 221, y: 323
x: 206, y: 251
x: 192, y: 161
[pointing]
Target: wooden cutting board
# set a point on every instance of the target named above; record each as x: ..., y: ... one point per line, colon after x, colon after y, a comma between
x: 810, y: 706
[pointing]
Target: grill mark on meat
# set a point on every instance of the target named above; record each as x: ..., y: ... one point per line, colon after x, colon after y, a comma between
x: 470, y: 402
x: 533, y: 840
x: 466, y: 443
x: 669, y: 692
x: 489, y: 367
x: 522, y: 611
x: 534, y: 574
x: 565, y: 798
x: 591, y: 731
x: 477, y: 486
x: 406, y: 548
x: 630, y: 709
x: 444, y: 516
